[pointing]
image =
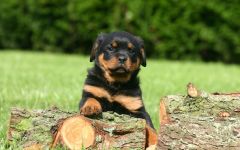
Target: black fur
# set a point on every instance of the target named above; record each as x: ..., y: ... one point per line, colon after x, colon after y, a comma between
x: 129, y: 87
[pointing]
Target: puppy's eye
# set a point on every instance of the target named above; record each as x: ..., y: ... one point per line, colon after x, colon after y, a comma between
x: 110, y: 48
x: 132, y: 51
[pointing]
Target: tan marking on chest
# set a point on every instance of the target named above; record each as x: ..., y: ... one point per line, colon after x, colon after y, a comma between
x: 98, y: 92
x: 128, y: 102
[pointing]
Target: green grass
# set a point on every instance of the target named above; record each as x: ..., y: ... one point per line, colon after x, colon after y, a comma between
x: 40, y: 80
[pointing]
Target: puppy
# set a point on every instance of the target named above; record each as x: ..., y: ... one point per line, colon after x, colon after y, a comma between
x: 112, y: 84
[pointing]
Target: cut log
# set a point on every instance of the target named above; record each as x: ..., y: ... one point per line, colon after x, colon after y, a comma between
x: 200, y: 121
x: 44, y: 129
x: 75, y: 132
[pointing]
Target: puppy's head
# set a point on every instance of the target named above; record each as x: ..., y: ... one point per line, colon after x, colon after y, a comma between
x: 118, y: 54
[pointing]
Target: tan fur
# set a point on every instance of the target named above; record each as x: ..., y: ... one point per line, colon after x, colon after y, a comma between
x: 128, y: 102
x: 91, y: 106
x: 114, y: 44
x: 111, y: 64
x: 132, y: 66
x: 130, y: 45
x: 104, y: 65
x: 142, y: 52
x: 122, y: 78
x: 97, y: 91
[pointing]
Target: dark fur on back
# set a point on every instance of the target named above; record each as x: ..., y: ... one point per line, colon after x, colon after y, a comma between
x: 112, y: 83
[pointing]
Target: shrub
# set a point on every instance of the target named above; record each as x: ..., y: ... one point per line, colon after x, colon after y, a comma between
x: 171, y: 29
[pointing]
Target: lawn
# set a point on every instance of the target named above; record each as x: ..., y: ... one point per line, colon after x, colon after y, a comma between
x: 35, y: 80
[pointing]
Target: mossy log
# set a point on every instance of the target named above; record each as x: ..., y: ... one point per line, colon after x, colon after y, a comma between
x: 44, y: 129
x: 200, y: 120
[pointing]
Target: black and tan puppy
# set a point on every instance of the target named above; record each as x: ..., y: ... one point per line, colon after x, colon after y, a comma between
x: 112, y: 84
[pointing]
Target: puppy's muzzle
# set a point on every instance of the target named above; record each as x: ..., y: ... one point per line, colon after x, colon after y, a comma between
x: 122, y: 59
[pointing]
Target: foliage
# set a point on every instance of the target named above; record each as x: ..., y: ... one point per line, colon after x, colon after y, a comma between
x: 172, y: 29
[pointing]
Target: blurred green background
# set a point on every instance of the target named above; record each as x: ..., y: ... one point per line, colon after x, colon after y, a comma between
x: 205, y: 30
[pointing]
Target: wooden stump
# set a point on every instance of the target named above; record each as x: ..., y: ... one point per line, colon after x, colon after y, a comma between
x: 75, y: 132
x: 44, y: 129
x: 200, y: 120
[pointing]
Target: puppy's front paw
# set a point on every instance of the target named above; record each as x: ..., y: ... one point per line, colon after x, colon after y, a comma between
x: 90, y: 110
x: 91, y: 107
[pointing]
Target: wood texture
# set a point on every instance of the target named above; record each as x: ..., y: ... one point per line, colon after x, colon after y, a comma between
x: 203, y: 121
x: 44, y: 129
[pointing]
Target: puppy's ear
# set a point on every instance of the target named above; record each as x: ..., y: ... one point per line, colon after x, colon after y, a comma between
x: 96, y: 46
x: 142, y: 52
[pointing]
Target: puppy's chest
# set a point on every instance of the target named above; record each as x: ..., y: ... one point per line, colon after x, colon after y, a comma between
x: 132, y: 103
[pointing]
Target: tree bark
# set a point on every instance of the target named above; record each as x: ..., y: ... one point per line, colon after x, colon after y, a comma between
x: 200, y: 121
x: 43, y: 129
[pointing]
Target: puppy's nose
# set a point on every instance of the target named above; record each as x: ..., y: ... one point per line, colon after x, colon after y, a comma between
x: 122, y: 59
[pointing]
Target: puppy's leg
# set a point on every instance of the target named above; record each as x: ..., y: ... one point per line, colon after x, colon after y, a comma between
x: 90, y: 106
x: 146, y: 116
x: 91, y: 99
x: 148, y: 120
x: 151, y: 133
